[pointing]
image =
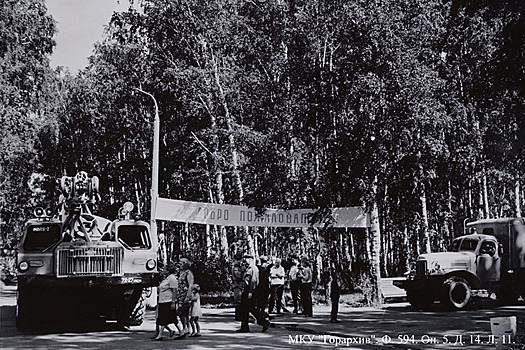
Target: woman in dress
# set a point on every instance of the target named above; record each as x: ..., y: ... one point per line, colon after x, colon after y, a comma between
x: 167, y: 305
x: 186, y: 279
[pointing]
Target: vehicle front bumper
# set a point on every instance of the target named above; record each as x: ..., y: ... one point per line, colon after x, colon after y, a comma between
x: 150, y: 279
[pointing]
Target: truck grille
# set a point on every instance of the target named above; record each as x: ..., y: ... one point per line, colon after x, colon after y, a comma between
x: 421, y: 269
x: 89, y: 261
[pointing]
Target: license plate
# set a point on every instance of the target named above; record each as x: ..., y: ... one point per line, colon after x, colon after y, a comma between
x: 130, y: 280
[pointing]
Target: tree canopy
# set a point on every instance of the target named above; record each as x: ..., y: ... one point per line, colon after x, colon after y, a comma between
x: 412, y: 109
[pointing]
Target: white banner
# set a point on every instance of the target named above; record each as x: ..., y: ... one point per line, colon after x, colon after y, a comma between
x: 237, y: 215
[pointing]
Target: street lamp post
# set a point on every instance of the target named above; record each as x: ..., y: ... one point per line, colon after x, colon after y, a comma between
x: 155, y: 171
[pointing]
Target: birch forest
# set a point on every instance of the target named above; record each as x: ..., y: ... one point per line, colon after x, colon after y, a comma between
x: 413, y: 109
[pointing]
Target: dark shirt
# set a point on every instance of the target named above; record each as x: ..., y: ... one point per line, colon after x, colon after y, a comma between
x: 335, y: 290
x: 263, y: 278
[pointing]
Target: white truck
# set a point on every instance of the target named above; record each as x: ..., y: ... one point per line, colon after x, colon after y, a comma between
x: 487, y: 262
x: 76, y: 266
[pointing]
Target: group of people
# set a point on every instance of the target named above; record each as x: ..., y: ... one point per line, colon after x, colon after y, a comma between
x: 256, y: 286
x: 301, y: 277
x: 260, y: 285
x: 178, y: 299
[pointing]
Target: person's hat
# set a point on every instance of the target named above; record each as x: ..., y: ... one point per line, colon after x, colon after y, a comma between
x: 247, y: 255
x: 263, y: 258
x: 185, y: 261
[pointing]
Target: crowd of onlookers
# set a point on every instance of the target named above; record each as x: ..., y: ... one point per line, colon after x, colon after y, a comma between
x: 258, y: 289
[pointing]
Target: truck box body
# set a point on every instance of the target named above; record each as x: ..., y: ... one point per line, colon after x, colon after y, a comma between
x: 510, y: 233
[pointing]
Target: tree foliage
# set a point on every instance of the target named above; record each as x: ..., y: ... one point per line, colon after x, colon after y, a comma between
x: 27, y: 95
x: 413, y: 109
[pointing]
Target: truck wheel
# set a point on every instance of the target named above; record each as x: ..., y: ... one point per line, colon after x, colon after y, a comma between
x: 132, y: 308
x: 456, y: 293
x: 24, y: 310
x: 137, y: 316
x: 420, y: 300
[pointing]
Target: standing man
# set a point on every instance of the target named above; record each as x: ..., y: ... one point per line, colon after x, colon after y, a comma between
x: 335, y: 292
x: 276, y: 285
x: 263, y: 289
x: 305, y: 274
x: 295, y: 283
x: 248, y: 299
x: 237, y: 276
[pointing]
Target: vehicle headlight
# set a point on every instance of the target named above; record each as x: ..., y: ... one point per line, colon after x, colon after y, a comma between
x: 435, y: 268
x: 23, y: 266
x: 39, y: 212
x: 150, y: 264
x: 128, y: 207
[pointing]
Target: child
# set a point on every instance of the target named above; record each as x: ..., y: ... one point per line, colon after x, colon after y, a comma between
x: 195, y: 310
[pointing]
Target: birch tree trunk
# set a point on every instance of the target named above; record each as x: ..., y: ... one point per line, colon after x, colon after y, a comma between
x: 256, y: 243
x: 517, y: 197
x: 216, y: 171
x: 350, y: 248
x: 486, y: 209
x: 469, y: 200
x: 138, y: 196
x: 375, y: 250
x: 234, y: 154
x: 425, y: 238
x: 408, y: 251
x: 223, y: 238
x: 383, y: 258
x: 186, y: 237
x: 481, y: 206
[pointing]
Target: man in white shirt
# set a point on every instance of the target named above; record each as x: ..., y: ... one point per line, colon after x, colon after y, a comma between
x: 295, y: 283
x: 277, y: 285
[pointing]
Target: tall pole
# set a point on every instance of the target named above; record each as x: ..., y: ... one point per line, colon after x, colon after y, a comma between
x: 155, y: 175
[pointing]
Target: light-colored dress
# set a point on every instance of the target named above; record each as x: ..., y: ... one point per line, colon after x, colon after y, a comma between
x: 167, y: 295
x: 195, y: 305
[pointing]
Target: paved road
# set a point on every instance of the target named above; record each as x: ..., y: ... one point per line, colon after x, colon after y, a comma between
x: 395, y: 326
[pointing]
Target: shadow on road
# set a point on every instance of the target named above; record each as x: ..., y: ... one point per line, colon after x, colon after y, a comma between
x: 218, y: 332
x: 401, y: 323
x: 8, y: 325
x: 392, y: 320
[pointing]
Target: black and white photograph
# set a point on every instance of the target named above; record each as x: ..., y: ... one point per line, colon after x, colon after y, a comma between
x: 262, y: 174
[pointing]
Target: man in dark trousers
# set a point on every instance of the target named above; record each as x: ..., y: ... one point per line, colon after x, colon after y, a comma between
x: 237, y: 276
x: 335, y: 292
x: 263, y: 289
x: 248, y: 299
x: 306, y: 276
